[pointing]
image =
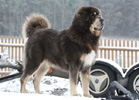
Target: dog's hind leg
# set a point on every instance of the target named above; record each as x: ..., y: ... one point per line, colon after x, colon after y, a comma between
x: 43, y: 69
x: 73, y: 76
x: 85, y: 82
x: 30, y: 67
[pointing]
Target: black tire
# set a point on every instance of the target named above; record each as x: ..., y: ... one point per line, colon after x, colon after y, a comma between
x: 103, y: 89
x: 132, y: 82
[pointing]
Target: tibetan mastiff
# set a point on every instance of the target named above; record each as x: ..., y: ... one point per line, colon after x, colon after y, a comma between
x: 72, y: 50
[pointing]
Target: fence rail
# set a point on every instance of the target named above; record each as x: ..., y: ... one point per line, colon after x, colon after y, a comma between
x: 124, y: 52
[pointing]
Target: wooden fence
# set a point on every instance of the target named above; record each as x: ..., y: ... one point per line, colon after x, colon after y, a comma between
x: 124, y: 52
x: 15, y: 50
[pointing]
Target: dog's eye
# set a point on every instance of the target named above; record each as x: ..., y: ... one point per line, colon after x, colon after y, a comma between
x: 95, y: 13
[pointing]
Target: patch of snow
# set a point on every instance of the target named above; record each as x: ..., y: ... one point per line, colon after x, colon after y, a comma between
x: 53, y: 88
x: 50, y: 85
x: 132, y: 66
x: 114, y: 64
x: 19, y: 96
x: 4, y: 55
x: 12, y: 62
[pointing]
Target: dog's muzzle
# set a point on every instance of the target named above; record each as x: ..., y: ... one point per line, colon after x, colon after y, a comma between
x: 99, y: 24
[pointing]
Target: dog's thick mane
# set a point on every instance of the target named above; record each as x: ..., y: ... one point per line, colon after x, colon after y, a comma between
x: 79, y: 31
x: 87, y: 39
x: 83, y: 35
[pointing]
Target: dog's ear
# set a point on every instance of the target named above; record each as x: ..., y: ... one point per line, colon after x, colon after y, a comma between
x: 82, y: 15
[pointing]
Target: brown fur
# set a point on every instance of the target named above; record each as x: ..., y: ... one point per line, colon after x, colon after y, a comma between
x: 72, y: 50
x: 33, y: 23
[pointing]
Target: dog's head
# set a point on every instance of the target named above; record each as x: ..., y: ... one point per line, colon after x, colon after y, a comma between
x: 89, y: 18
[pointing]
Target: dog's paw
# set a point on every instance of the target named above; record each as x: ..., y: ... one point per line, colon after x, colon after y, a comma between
x: 75, y: 95
x: 40, y: 93
x: 24, y: 91
x: 88, y: 95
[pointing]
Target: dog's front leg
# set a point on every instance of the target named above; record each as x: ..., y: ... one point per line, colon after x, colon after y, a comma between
x: 85, y: 82
x: 73, y: 76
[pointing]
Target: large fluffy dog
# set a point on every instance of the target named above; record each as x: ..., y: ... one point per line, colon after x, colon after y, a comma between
x: 72, y: 50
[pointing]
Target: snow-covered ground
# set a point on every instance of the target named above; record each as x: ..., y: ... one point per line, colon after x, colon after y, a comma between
x: 49, y: 85
x: 19, y: 96
x: 52, y: 87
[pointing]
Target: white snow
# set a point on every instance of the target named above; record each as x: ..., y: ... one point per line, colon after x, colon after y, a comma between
x: 114, y: 64
x: 53, y: 88
x: 19, y: 96
x: 132, y: 67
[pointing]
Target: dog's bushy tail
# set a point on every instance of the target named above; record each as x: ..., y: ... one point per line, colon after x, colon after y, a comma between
x: 33, y: 23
